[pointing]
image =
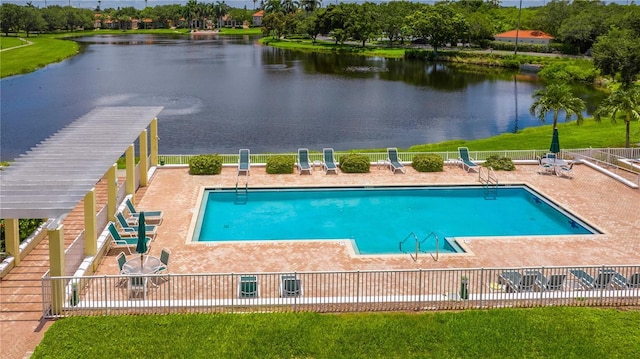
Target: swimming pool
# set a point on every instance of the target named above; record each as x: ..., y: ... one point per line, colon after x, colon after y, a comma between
x: 377, y: 219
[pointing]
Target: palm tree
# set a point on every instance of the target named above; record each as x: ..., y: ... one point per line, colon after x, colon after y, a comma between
x: 625, y: 100
x: 556, y: 97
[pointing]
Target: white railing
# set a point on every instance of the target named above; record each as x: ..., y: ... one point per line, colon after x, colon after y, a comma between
x: 614, y: 160
x: 407, y: 157
x: 432, y: 289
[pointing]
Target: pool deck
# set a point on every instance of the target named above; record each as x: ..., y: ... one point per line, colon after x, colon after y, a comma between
x: 603, y: 202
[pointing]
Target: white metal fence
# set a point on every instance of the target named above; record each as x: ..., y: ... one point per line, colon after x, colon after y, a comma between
x: 432, y: 289
x: 516, y: 155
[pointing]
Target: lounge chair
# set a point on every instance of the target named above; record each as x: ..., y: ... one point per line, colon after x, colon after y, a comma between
x: 544, y: 167
x: 118, y: 241
x: 329, y: 161
x: 619, y: 281
x: 465, y: 160
x: 248, y: 287
x: 290, y: 286
x: 517, y: 282
x: 542, y: 283
x: 150, y: 217
x: 588, y: 282
x: 128, y: 228
x: 394, y: 162
x: 243, y: 162
x: 634, y: 280
x: 303, y: 161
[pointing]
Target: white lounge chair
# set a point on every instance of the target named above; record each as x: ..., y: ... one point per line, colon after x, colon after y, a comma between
x: 329, y: 161
x: 465, y: 160
x: 244, y: 163
x: 394, y: 161
x: 303, y: 164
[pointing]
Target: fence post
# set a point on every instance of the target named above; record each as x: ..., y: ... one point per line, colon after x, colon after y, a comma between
x: 357, y: 290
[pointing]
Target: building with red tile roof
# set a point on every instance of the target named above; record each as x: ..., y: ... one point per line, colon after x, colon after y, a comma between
x: 525, y: 36
x: 257, y: 18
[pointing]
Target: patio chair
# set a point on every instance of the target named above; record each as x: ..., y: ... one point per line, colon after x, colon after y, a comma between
x: 150, y: 217
x: 290, y: 286
x: 544, y: 167
x: 394, y: 162
x: 244, y: 162
x: 248, y: 287
x: 164, y: 260
x: 123, y: 242
x: 128, y: 228
x: 465, y: 160
x: 588, y: 282
x: 566, y: 170
x: 329, y: 161
x: 121, y: 259
x: 138, y: 285
x: 303, y: 164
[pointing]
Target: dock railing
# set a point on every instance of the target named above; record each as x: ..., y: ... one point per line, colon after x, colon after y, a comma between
x: 349, y: 291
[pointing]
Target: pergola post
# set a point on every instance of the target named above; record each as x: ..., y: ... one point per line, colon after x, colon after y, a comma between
x: 144, y: 159
x: 12, y: 238
x: 131, y: 174
x: 56, y: 263
x: 112, y: 192
x: 154, y: 142
x: 90, y: 224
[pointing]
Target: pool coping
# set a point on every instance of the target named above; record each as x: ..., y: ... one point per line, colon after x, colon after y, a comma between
x: 351, y: 247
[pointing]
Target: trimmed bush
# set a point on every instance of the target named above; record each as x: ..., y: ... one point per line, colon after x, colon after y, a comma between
x: 427, y: 163
x: 205, y: 165
x: 355, y: 163
x: 499, y: 163
x: 280, y: 164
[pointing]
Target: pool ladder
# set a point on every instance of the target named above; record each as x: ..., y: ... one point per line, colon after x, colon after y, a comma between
x: 418, y: 243
x: 242, y: 194
x: 490, y: 181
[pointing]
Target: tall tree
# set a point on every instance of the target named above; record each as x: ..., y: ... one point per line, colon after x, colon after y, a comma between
x: 437, y: 25
x: 625, y: 101
x: 555, y: 98
x: 618, y: 52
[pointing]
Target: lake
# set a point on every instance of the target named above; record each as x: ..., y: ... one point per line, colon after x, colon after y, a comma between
x: 222, y: 93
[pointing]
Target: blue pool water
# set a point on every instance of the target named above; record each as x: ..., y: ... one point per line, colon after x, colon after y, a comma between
x: 377, y: 219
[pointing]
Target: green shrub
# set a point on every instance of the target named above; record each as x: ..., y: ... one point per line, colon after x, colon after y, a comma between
x: 355, y: 163
x: 427, y: 163
x: 499, y: 163
x: 280, y: 164
x: 205, y: 165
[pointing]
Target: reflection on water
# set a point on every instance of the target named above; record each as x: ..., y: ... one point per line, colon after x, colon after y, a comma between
x: 225, y: 93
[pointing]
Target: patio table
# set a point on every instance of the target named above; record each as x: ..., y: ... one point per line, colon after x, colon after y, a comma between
x: 151, y: 265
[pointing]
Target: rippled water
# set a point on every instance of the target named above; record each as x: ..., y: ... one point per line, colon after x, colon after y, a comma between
x: 225, y: 93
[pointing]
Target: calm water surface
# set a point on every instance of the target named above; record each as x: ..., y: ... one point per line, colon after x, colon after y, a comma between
x: 225, y: 93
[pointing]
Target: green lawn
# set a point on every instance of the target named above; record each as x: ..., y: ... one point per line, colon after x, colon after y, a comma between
x: 554, y: 332
x: 9, y: 42
x: 589, y: 134
x: 46, y: 49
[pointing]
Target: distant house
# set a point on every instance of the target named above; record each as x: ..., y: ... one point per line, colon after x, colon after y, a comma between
x: 525, y: 37
x: 257, y: 18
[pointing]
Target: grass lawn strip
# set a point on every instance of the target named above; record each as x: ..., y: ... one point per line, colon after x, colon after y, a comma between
x: 553, y: 332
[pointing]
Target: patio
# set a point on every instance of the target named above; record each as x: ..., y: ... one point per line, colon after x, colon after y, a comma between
x: 597, y: 199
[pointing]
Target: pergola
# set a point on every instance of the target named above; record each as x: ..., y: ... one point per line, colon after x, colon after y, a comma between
x: 51, y: 179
